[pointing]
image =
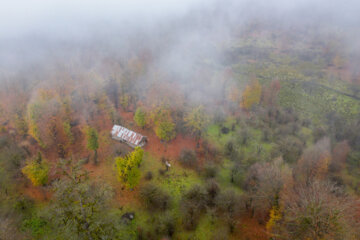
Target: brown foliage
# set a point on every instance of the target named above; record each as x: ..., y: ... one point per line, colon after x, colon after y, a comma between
x: 317, y: 210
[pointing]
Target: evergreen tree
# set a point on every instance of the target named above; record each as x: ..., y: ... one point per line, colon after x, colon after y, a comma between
x: 92, y: 141
x: 140, y: 117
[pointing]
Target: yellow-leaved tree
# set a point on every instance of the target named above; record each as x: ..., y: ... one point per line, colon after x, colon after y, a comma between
x: 127, y: 167
x: 251, y: 95
x: 197, y: 120
x: 37, y: 171
x: 274, y: 217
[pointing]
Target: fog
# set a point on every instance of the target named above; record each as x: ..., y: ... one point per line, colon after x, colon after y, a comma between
x: 59, y: 20
x: 182, y: 36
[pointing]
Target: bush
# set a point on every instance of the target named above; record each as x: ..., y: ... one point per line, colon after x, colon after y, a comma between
x: 4, y: 141
x: 155, y: 198
x: 188, y: 158
x: 193, y: 204
x: 212, y: 190
x: 229, y: 148
x: 36, y: 225
x: 220, y: 234
x: 290, y: 148
x: 149, y: 175
x: 228, y: 205
x: 210, y: 171
x: 243, y: 136
x: 165, y: 225
x: 238, y: 175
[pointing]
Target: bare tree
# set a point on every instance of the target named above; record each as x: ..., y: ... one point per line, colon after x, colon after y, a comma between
x: 264, y: 183
x: 314, y: 162
x: 317, y: 210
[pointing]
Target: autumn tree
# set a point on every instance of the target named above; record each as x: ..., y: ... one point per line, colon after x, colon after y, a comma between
x: 140, y: 117
x: 339, y: 155
x: 270, y: 93
x: 20, y: 123
x: 251, y: 95
x: 37, y: 171
x: 164, y: 125
x: 263, y: 184
x: 317, y: 210
x: 196, y: 120
x: 80, y: 204
x: 127, y: 167
x: 34, y: 112
x: 92, y: 141
x: 314, y: 162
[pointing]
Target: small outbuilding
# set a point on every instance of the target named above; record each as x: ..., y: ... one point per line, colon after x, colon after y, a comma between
x: 127, y: 136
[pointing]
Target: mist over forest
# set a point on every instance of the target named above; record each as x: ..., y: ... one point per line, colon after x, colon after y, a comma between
x: 195, y: 120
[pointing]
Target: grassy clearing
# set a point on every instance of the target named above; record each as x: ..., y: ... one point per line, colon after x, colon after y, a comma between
x: 175, y: 181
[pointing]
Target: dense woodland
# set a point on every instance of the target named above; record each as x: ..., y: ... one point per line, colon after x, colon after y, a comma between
x: 259, y: 119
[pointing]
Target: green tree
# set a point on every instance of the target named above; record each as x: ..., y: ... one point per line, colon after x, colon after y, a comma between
x: 127, y: 167
x: 165, y: 130
x: 20, y: 123
x: 34, y: 113
x: 164, y: 126
x: 37, y: 171
x: 79, y: 209
x: 92, y: 141
x: 67, y: 130
x: 196, y: 120
x: 140, y: 117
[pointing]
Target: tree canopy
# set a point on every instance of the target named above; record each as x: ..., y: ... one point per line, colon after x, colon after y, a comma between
x: 127, y: 167
x: 37, y: 171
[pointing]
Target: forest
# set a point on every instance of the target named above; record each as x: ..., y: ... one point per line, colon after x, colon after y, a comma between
x: 250, y: 109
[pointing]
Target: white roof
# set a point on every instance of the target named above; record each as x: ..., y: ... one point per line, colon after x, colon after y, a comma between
x: 126, y: 134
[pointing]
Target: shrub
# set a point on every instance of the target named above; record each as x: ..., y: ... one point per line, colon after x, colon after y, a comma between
x: 36, y: 225
x: 193, y: 204
x: 149, y: 175
x: 210, y: 171
x: 188, y: 158
x: 290, y: 148
x: 165, y: 225
x: 238, y: 175
x: 23, y: 204
x: 228, y: 207
x: 212, y: 189
x: 154, y: 197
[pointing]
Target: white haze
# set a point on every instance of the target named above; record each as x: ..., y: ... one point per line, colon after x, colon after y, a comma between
x: 179, y: 32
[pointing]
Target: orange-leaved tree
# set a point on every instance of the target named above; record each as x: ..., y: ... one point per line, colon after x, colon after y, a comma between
x: 251, y: 95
